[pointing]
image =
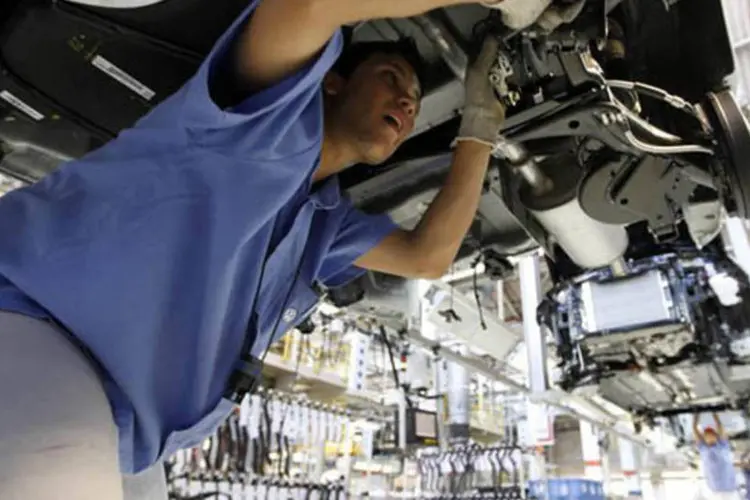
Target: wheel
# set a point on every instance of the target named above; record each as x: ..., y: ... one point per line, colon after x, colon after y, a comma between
x: 732, y: 131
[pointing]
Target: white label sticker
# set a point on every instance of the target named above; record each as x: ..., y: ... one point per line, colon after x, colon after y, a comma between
x: 19, y: 104
x: 122, y: 77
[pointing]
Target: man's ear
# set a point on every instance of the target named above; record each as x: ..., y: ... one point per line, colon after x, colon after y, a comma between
x: 333, y: 83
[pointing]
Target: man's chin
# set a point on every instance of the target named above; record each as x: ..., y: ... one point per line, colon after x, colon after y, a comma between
x: 377, y: 154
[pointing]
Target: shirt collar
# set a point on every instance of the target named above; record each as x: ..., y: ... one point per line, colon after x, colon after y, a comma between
x: 328, y: 194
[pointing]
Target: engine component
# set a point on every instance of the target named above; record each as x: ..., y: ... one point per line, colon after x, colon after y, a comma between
x: 624, y: 189
x: 550, y: 193
x: 588, y: 242
x: 663, y: 314
x: 616, y: 305
x: 536, y: 69
x: 523, y: 164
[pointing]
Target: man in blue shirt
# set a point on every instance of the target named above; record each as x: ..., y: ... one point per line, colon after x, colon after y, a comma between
x: 140, y: 284
x: 717, y: 460
x: 745, y: 466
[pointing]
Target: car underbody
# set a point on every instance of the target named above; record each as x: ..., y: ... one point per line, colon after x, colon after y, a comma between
x: 619, y: 165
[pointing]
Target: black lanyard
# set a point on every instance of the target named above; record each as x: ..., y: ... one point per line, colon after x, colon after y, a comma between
x: 245, y: 378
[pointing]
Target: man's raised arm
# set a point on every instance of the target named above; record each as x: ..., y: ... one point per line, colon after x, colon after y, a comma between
x: 284, y: 35
x: 720, y: 431
x: 697, y: 434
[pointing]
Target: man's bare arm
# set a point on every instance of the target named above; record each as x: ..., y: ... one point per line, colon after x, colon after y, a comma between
x: 719, y: 426
x: 429, y: 250
x: 697, y: 435
x: 284, y: 35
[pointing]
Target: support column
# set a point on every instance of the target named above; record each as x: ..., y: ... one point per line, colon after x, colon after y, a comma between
x: 440, y: 370
x: 459, y: 401
x: 500, y: 298
x: 415, y: 304
x: 402, y: 407
x: 539, y: 419
x: 537, y: 465
x: 540, y: 424
x: 657, y: 486
x: 592, y: 457
x: 414, y: 322
x: 606, y: 471
x: 629, y: 466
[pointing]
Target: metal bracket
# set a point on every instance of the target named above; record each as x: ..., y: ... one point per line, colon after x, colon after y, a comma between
x: 639, y: 191
x: 629, y: 189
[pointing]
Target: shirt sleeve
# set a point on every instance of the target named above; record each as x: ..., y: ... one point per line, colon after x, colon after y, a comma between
x: 282, y: 120
x: 358, y: 233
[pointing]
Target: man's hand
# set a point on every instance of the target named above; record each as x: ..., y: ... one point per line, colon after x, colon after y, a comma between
x: 483, y: 113
x: 557, y: 15
x: 429, y: 250
x: 519, y: 14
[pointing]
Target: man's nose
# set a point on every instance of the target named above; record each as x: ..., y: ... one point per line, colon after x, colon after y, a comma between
x: 408, y: 104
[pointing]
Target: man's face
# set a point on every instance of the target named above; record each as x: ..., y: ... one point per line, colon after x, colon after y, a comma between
x: 710, y: 437
x: 374, y: 109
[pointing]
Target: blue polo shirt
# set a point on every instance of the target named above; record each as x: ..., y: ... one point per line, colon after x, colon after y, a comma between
x: 718, y: 466
x: 150, y: 250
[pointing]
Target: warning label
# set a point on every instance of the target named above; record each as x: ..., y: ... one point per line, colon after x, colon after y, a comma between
x: 20, y: 105
x: 123, y: 77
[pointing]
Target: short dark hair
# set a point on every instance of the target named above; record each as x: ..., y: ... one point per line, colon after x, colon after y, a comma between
x: 355, y: 53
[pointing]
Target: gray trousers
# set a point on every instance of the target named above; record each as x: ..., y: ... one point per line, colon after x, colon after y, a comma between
x: 58, y: 440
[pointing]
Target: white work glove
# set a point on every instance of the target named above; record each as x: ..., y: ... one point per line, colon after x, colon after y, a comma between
x: 483, y: 113
x: 556, y: 15
x: 519, y: 14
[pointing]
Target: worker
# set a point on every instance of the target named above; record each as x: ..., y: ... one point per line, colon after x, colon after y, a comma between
x: 717, y: 460
x: 745, y: 468
x: 141, y: 284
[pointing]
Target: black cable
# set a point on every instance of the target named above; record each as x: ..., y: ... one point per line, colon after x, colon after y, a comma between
x: 476, y: 294
x: 284, y: 305
x: 387, y: 343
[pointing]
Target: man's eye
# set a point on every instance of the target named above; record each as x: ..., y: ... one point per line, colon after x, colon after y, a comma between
x: 390, y: 77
